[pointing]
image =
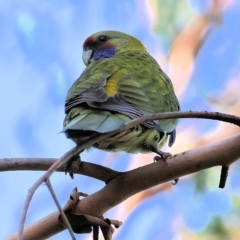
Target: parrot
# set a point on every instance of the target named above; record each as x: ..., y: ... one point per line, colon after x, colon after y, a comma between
x: 121, y: 81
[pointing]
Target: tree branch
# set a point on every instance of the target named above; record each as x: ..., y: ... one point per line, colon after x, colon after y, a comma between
x: 63, y: 215
x: 221, y: 153
x: 188, y: 114
x: 76, y: 150
x: 42, y: 164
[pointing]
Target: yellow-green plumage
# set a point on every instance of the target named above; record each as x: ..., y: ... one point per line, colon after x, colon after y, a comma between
x: 121, y: 81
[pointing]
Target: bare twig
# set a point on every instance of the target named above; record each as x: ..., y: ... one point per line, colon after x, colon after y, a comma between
x: 223, y: 177
x: 65, y: 220
x: 42, y: 179
x: 95, y: 232
x: 189, y: 114
x: 83, y: 194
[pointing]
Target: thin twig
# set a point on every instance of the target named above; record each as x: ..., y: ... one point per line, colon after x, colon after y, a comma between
x: 76, y: 150
x: 188, y: 114
x: 95, y: 232
x: 223, y: 177
x: 83, y: 194
x: 64, y: 217
x: 31, y: 191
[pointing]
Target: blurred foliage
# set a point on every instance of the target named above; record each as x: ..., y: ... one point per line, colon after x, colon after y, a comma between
x: 217, y: 228
x: 171, y: 17
x: 206, y: 180
x: 236, y: 203
x: 201, y: 180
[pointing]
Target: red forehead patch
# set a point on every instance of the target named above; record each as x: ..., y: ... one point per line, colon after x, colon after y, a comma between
x: 88, y: 42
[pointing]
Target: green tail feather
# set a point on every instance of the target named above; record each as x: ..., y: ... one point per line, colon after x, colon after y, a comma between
x: 101, y: 122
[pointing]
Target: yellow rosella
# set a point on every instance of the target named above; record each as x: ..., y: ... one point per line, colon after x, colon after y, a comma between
x: 121, y: 81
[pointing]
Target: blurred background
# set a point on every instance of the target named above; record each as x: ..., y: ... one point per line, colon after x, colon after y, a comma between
x: 196, y: 42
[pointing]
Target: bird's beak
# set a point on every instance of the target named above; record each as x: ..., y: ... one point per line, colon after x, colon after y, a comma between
x: 86, y: 56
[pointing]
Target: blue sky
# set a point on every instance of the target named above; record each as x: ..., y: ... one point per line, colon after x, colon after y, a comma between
x: 40, y: 57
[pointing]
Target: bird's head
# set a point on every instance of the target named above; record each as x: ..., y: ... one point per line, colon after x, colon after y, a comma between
x: 106, y: 44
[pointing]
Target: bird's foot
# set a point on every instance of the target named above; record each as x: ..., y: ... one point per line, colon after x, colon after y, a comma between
x: 163, y: 156
x: 69, y: 163
x: 175, y: 181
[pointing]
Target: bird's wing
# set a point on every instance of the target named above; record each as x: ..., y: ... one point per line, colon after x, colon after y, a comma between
x: 149, y: 89
x: 141, y: 88
x: 132, y: 84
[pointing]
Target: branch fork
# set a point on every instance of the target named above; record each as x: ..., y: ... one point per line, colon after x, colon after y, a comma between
x: 83, y: 223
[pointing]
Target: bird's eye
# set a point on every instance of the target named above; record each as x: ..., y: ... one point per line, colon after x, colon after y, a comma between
x: 85, y: 48
x: 103, y: 38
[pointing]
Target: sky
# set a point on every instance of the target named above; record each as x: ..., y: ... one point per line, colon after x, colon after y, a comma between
x: 40, y: 57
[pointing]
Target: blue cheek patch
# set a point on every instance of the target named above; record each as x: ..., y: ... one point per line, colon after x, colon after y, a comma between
x: 103, y: 53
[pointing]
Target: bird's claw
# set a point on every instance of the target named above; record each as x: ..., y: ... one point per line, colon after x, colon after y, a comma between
x: 162, y: 156
x: 69, y: 163
x: 175, y: 181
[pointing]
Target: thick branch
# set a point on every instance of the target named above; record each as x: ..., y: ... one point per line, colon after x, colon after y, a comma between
x: 221, y: 153
x: 129, y: 183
